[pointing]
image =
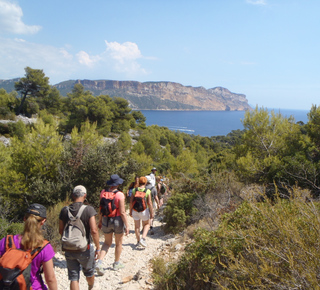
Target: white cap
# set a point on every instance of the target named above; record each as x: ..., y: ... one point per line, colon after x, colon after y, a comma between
x: 80, y: 189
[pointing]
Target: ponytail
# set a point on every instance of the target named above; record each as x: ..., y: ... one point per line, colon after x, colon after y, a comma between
x: 32, y: 237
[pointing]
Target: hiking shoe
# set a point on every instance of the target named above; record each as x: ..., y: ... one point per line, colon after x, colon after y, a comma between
x: 117, y: 266
x: 143, y: 243
x: 99, y: 268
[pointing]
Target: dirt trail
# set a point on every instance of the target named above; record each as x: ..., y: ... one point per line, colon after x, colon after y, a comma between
x: 137, y: 271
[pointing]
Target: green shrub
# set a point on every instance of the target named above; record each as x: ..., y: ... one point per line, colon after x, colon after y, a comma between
x: 259, y: 246
x: 51, y: 226
x: 8, y: 228
x: 178, y: 211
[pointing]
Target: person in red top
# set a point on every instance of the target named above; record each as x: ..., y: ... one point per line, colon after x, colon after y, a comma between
x: 117, y: 225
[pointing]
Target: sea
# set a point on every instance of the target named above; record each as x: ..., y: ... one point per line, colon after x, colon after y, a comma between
x: 209, y: 123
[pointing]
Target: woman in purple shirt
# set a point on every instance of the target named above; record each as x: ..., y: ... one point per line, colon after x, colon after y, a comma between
x: 30, y: 239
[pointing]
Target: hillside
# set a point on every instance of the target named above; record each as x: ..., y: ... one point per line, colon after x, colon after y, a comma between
x: 157, y: 95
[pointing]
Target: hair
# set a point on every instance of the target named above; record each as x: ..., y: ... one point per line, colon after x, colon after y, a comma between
x: 136, y: 182
x: 32, y: 237
x: 158, y: 178
x: 142, y: 180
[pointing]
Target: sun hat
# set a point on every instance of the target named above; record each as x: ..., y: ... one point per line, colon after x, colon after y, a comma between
x: 114, y: 180
x: 38, y: 210
x: 154, y: 169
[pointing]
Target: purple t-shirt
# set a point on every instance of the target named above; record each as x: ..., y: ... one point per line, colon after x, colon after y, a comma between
x: 45, y: 255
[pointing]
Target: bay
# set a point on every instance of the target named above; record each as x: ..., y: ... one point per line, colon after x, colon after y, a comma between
x: 208, y: 123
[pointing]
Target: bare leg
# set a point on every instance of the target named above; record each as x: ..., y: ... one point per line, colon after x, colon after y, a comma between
x: 74, y: 285
x: 137, y: 229
x: 90, y: 280
x: 106, y: 245
x: 146, y: 227
x: 118, y: 250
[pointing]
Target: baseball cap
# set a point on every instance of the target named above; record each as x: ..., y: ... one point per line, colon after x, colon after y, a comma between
x: 38, y: 210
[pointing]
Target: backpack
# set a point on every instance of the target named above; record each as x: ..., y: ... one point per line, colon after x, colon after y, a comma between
x: 107, y: 205
x: 163, y: 189
x: 15, y: 265
x: 74, y: 236
x: 139, y: 201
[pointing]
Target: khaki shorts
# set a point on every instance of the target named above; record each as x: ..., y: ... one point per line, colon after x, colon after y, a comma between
x: 112, y: 225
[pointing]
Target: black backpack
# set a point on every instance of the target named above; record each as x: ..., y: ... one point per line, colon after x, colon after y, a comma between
x: 139, y: 201
x: 107, y: 205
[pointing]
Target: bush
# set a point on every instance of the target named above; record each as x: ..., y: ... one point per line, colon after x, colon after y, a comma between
x: 267, y: 245
x: 178, y: 212
x: 51, y: 226
x: 8, y: 228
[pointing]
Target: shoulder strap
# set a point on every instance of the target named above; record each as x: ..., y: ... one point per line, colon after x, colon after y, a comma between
x: 9, y: 242
x: 82, y: 208
x: 36, y: 251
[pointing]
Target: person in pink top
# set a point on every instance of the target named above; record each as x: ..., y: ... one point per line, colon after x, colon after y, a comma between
x: 117, y: 225
x: 30, y: 239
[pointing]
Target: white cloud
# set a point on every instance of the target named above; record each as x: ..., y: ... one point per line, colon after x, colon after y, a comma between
x: 85, y: 59
x: 10, y: 19
x: 124, y: 57
x: 117, y: 61
x: 123, y: 52
x: 257, y: 2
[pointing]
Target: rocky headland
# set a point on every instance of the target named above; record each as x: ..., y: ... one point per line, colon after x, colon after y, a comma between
x: 163, y: 95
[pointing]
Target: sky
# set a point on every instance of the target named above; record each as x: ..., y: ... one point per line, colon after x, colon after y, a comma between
x: 266, y: 49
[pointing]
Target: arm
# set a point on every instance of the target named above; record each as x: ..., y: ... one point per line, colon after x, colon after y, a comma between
x: 100, y: 220
x: 122, y: 210
x: 149, y: 201
x: 131, y: 203
x: 49, y: 275
x: 61, y: 227
x: 95, y: 234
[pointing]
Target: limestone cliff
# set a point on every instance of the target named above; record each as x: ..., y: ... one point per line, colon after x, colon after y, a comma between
x: 163, y: 95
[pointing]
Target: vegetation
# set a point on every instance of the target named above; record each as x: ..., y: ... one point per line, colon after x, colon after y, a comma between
x: 261, y: 245
x: 247, y: 201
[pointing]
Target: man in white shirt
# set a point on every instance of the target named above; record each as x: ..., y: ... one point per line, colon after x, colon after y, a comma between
x: 153, y: 176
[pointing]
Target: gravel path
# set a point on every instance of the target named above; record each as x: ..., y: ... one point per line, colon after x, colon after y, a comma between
x: 137, y: 271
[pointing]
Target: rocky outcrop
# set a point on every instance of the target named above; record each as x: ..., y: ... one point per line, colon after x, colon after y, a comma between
x: 164, y: 95
x: 157, y: 95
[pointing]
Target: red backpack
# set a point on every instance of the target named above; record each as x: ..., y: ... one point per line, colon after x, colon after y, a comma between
x: 107, y: 205
x: 139, y: 200
x: 15, y: 266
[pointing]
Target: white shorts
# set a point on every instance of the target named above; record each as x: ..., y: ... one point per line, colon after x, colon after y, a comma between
x: 144, y: 215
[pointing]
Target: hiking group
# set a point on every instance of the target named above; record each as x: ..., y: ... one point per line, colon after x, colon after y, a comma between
x: 24, y: 257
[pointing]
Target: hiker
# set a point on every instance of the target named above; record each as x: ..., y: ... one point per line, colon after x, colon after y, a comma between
x: 30, y: 240
x: 144, y: 214
x: 153, y: 176
x: 76, y: 257
x: 161, y: 189
x: 132, y: 185
x: 155, y: 200
x: 115, y: 222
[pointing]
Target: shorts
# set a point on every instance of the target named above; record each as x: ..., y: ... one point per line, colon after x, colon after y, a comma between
x: 112, y: 225
x: 76, y: 260
x: 144, y: 215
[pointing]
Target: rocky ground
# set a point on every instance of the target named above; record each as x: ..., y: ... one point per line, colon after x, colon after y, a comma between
x: 137, y: 271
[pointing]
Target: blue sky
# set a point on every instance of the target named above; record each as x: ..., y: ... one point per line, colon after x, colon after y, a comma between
x: 266, y: 49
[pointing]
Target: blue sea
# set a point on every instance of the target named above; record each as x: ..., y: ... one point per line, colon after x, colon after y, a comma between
x: 209, y: 123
